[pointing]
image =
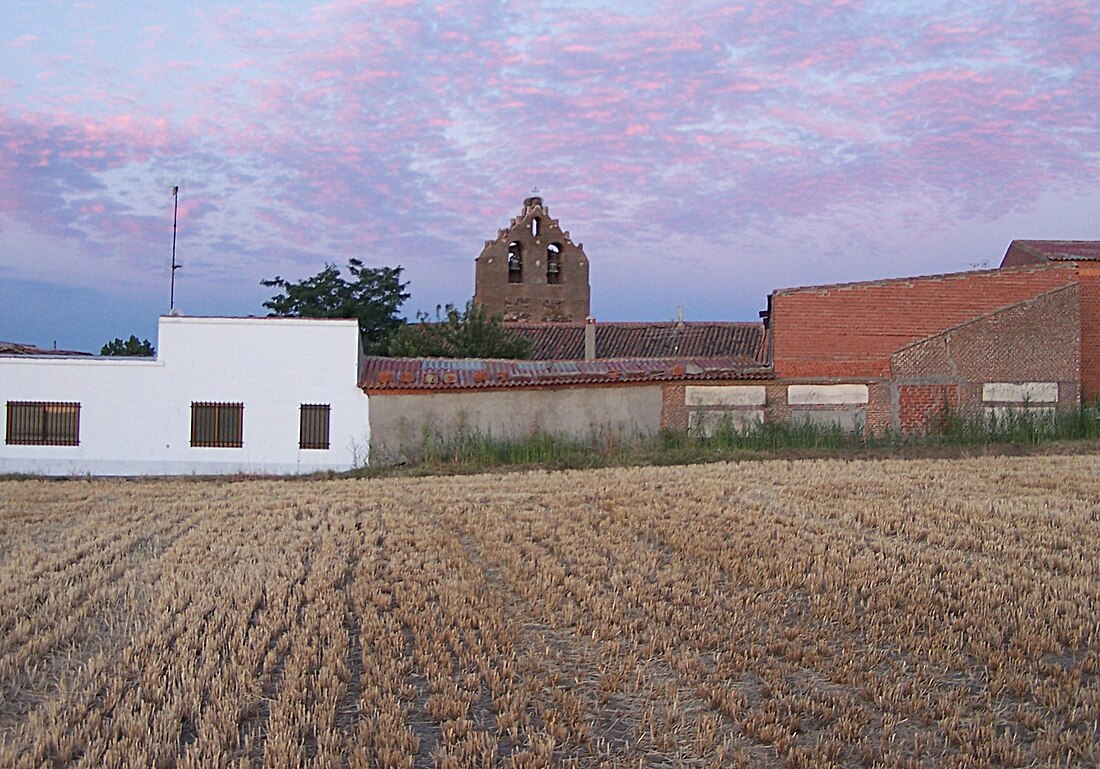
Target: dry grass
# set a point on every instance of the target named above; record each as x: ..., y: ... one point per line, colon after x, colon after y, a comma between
x: 928, y: 613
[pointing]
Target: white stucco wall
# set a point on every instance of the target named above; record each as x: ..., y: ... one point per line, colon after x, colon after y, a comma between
x: 135, y: 415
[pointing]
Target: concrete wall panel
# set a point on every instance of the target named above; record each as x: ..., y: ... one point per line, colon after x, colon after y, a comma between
x: 724, y: 395
x: 827, y: 395
x: 706, y: 422
x: 402, y: 424
x: 1022, y: 392
x: 849, y: 420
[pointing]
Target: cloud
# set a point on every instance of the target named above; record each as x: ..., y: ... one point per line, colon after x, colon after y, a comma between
x: 407, y: 132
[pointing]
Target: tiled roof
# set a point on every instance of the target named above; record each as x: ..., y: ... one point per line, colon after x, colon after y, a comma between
x: 465, y: 373
x: 746, y: 342
x: 1062, y: 250
x: 13, y: 348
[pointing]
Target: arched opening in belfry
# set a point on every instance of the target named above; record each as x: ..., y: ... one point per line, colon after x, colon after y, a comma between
x: 535, y: 227
x: 553, y: 264
x: 515, y: 262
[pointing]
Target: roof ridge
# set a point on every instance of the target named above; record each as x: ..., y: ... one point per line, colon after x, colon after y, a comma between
x: 930, y: 276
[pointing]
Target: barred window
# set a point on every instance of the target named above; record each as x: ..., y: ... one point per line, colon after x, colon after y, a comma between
x: 42, y: 424
x: 313, y: 433
x: 217, y: 425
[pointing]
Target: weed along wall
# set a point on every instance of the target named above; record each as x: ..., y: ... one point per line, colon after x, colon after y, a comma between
x: 404, y: 424
x: 223, y: 395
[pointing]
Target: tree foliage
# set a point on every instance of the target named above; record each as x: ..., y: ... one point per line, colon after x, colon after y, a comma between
x: 373, y: 296
x: 132, y: 347
x: 468, y: 333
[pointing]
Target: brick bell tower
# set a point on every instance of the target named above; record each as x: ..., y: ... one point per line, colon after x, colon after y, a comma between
x: 533, y: 272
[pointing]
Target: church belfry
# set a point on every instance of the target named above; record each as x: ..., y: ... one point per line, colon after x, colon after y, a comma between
x: 533, y: 272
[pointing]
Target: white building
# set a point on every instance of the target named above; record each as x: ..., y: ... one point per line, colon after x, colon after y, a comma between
x: 223, y: 395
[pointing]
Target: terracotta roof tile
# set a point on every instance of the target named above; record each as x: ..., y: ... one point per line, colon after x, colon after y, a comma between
x: 464, y: 373
x: 555, y: 341
x: 1062, y: 250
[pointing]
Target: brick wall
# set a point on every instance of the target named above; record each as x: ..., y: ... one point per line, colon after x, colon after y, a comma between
x: 673, y: 410
x: 922, y: 407
x: 1037, y: 340
x: 1089, y: 277
x: 1088, y: 274
x: 851, y: 330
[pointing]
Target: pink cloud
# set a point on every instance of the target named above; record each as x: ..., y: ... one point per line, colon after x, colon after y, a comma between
x: 315, y: 134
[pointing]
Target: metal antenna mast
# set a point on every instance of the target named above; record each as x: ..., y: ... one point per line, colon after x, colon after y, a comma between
x: 175, y: 213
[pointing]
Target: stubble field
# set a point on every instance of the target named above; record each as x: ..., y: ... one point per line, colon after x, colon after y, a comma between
x: 884, y: 614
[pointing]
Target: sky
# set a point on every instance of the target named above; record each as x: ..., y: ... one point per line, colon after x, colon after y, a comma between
x: 704, y: 153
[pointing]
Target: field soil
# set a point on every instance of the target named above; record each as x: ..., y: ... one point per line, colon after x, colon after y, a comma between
x: 893, y: 613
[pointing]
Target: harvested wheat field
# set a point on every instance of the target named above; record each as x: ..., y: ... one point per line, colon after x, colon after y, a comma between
x: 774, y: 614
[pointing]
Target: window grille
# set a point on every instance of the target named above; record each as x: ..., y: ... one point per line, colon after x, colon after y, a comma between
x: 313, y: 432
x: 217, y: 425
x: 42, y: 424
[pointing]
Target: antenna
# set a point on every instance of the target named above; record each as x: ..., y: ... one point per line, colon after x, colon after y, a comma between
x: 175, y: 212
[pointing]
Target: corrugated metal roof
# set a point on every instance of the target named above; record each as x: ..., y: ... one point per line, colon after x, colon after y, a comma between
x: 556, y: 341
x: 456, y: 374
x: 1063, y: 250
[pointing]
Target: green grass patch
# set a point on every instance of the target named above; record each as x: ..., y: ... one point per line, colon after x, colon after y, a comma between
x: 471, y: 452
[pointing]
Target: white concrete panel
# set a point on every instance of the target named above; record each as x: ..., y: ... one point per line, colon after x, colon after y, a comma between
x: 1033, y: 414
x: 135, y: 415
x: 1022, y: 392
x: 707, y: 422
x: 848, y: 420
x: 826, y: 395
x: 724, y: 395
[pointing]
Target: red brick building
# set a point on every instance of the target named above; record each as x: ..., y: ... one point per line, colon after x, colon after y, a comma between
x: 1083, y: 257
x: 924, y: 343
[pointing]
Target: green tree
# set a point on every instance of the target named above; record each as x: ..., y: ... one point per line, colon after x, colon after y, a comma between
x: 469, y: 333
x: 133, y: 347
x: 372, y: 296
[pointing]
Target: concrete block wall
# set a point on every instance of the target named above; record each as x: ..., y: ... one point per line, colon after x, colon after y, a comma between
x: 852, y: 330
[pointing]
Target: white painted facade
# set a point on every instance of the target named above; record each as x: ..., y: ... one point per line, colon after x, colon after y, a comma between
x: 135, y: 414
